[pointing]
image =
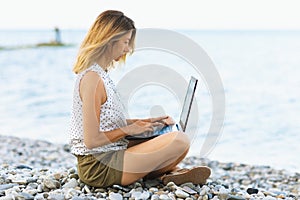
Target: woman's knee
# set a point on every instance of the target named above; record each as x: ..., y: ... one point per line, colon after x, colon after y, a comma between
x: 181, y: 141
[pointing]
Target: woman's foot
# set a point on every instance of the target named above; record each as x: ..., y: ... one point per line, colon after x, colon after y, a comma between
x: 196, y: 175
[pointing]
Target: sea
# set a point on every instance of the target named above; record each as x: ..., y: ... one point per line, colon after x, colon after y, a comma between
x: 257, y: 71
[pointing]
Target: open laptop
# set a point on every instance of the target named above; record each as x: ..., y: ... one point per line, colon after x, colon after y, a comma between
x: 181, y: 126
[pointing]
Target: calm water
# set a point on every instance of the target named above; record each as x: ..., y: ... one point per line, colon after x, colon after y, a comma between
x: 259, y: 70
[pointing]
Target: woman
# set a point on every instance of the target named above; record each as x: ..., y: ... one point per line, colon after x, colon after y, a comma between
x: 98, y: 124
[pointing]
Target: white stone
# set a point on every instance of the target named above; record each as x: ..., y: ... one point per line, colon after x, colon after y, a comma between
x: 269, y: 198
x: 155, y: 197
x: 145, y: 195
x: 136, y: 194
x: 115, y: 196
x: 181, y: 194
x: 8, y: 197
x: 223, y: 193
x: 172, y: 196
x: 70, y: 192
x: 189, y: 190
x: 153, y: 190
x: 49, y: 183
x: 202, y: 192
x: 260, y: 194
x: 71, y: 184
x: 164, y: 197
x: 86, y: 188
x: 31, y: 191
x: 205, y: 197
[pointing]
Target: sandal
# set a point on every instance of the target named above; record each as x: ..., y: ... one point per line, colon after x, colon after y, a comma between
x: 196, y: 175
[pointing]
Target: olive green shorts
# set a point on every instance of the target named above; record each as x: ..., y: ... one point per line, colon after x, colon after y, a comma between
x: 101, y: 170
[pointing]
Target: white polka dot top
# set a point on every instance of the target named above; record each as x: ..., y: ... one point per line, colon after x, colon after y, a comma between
x: 111, y: 116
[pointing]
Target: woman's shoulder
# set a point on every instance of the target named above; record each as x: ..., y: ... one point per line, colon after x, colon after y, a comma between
x: 91, y: 77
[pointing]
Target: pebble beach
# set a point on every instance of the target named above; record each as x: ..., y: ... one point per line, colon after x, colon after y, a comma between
x: 36, y: 169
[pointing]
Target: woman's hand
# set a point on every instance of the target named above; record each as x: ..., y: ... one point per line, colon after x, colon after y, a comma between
x: 140, y: 126
x: 166, y: 120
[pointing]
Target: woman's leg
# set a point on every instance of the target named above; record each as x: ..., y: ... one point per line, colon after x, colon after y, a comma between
x: 169, y: 168
x: 158, y: 155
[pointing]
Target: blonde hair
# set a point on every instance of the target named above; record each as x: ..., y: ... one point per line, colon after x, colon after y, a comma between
x: 109, y: 27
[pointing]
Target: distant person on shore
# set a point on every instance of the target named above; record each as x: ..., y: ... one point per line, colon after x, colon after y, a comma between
x: 98, y: 125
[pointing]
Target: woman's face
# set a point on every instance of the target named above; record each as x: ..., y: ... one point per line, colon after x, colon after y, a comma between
x: 121, y: 47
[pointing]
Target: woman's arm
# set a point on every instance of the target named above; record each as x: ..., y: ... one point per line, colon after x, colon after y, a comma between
x: 167, y: 120
x: 93, y: 95
x: 131, y: 121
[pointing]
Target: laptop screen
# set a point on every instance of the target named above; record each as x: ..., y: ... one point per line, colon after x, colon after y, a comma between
x: 187, y: 104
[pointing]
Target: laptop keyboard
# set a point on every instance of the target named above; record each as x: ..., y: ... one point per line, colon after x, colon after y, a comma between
x: 166, y: 129
x: 150, y: 134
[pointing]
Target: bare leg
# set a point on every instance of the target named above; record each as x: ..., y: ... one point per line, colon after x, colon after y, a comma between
x: 169, y: 168
x: 158, y: 155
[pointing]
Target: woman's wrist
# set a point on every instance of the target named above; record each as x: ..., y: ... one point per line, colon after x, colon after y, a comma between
x: 130, y: 121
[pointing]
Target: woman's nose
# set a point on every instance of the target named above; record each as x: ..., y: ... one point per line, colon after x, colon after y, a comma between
x: 127, y: 49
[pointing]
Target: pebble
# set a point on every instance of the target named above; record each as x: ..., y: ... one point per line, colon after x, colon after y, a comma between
x: 181, y: 194
x: 115, y: 196
x: 252, y: 191
x: 39, y: 170
x: 164, y: 197
x: 188, y: 190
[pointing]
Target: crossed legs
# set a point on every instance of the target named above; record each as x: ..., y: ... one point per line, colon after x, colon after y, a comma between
x: 155, y: 157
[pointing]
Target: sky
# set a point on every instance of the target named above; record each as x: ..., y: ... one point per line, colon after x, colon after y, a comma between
x: 170, y: 14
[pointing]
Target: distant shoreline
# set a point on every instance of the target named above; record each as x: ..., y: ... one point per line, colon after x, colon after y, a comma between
x: 49, y: 44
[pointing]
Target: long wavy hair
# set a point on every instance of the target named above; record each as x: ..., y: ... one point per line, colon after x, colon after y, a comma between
x: 109, y: 27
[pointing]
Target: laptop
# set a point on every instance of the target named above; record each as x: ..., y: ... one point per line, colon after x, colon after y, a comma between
x: 184, y: 115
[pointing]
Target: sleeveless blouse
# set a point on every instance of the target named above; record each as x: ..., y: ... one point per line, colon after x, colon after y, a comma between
x: 112, y: 116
